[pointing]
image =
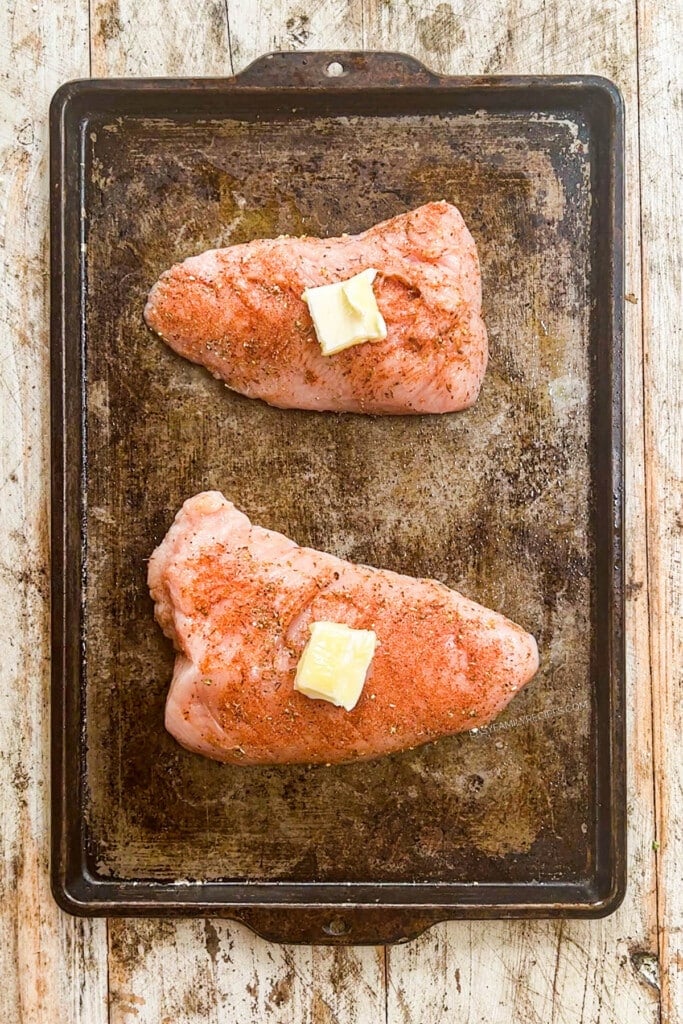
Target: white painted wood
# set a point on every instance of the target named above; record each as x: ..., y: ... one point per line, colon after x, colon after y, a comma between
x: 52, y: 968
x: 260, y: 26
x: 216, y: 971
x: 572, y: 971
x: 153, y: 37
x: 661, y: 148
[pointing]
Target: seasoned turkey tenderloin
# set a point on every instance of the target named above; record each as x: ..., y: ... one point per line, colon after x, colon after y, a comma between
x: 240, y: 313
x: 237, y: 600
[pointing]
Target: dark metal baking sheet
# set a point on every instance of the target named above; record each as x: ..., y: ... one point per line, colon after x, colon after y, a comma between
x: 516, y: 502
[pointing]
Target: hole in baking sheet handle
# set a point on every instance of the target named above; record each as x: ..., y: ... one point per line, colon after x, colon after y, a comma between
x: 335, y: 69
x: 352, y: 69
x: 336, y: 927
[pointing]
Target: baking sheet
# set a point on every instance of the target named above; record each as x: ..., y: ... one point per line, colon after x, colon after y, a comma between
x: 511, y: 502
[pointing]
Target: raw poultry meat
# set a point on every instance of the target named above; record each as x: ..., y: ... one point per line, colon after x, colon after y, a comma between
x: 239, y: 312
x: 237, y: 601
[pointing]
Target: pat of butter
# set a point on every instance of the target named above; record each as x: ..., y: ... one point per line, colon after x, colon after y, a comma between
x: 345, y: 313
x: 335, y: 662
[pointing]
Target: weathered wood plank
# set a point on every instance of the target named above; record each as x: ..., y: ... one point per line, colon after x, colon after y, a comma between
x: 571, y: 971
x: 53, y: 968
x: 156, y: 38
x: 197, y: 971
x: 260, y: 26
x: 188, y: 972
x: 661, y: 148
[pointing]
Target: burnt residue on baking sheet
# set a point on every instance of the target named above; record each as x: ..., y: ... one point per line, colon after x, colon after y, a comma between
x: 494, y: 501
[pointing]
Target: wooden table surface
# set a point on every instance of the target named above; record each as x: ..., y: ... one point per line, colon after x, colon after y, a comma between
x: 627, y: 968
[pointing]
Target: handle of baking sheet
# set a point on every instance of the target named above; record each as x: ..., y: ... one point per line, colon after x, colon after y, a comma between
x: 338, y: 926
x: 331, y: 69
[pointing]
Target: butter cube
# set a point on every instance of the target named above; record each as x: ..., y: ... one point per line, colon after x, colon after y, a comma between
x: 345, y: 313
x: 334, y: 663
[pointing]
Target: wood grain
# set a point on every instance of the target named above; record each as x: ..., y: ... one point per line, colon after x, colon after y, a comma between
x: 661, y: 153
x: 157, y: 38
x: 198, y: 971
x: 53, y: 968
x: 259, y: 26
x: 571, y: 971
